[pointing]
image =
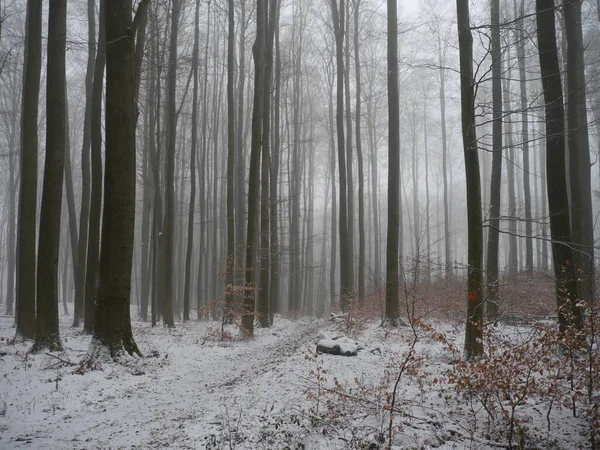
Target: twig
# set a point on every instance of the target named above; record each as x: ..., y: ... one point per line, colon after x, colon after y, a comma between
x: 61, y: 360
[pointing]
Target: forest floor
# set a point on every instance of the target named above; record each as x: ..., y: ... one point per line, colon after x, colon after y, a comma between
x: 198, y: 388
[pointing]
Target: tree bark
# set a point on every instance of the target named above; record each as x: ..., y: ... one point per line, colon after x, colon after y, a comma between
x: 27, y: 219
x: 84, y: 214
x: 582, y: 219
x: 169, y: 219
x: 112, y: 326
x: 93, y: 251
x: 359, y: 155
x: 473, y: 332
x: 47, y: 335
x: 255, y: 151
x: 493, y: 242
x: 569, y: 311
x: 392, y: 287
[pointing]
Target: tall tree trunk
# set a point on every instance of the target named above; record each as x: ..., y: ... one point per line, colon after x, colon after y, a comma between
x: 442, y: 75
x: 493, y: 242
x: 359, y: 155
x: 240, y: 168
x: 112, y: 325
x: 27, y: 220
x: 254, y: 181
x: 93, y: 251
x: 47, y: 335
x: 473, y: 332
x: 169, y: 220
x: 346, y: 278
x: 349, y: 158
x: 230, y: 279
x: 544, y: 201
x: 427, y: 213
x: 265, y: 255
x: 69, y: 190
x: 392, y: 274
x: 513, y: 250
x: 274, y: 173
x: 85, y: 170
x: 12, y: 207
x: 582, y: 220
x: 520, y: 37
x: 190, y: 229
x: 560, y: 231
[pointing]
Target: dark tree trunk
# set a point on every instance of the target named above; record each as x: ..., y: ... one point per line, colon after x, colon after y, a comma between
x: 582, y: 219
x: 493, y: 242
x: 442, y: 75
x: 346, y: 278
x: 560, y: 231
x: 169, y: 220
x: 190, y: 230
x: 473, y: 333
x: 254, y: 181
x: 27, y: 220
x: 359, y: 155
x: 392, y: 275
x: 230, y: 279
x: 274, y: 175
x: 84, y: 214
x: 93, y: 251
x: 47, y: 335
x: 112, y: 325
x: 520, y: 37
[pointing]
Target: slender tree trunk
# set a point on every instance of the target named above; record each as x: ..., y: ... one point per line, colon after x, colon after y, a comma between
x: 513, y: 250
x: 349, y: 157
x: 346, y: 278
x: 253, y: 184
x: 359, y: 155
x: 392, y: 287
x: 69, y: 190
x: 229, y: 282
x: 475, y: 304
x: 27, y: 220
x: 12, y: 207
x: 190, y: 229
x: 520, y: 37
x: 274, y: 173
x: 85, y: 170
x: 493, y: 242
x: 582, y: 219
x: 169, y: 220
x: 47, y: 335
x: 93, y: 251
x: 240, y: 168
x: 564, y: 270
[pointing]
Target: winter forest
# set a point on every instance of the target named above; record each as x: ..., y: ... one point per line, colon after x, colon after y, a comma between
x: 299, y: 224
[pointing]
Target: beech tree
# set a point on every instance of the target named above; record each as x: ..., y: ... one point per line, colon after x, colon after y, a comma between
x: 47, y: 335
x: 112, y: 325
x: 474, y: 331
x: 392, y: 273
x: 560, y: 229
x: 27, y: 217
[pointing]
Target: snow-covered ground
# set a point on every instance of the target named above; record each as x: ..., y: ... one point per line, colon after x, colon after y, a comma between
x: 195, y: 390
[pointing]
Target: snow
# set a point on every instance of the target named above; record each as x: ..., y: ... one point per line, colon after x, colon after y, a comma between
x: 196, y: 390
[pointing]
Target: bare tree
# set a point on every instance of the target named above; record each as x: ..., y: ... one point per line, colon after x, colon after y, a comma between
x: 255, y: 151
x: 392, y: 274
x: 112, y: 325
x: 47, y: 335
x: 27, y: 220
x: 560, y: 230
x: 473, y: 332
